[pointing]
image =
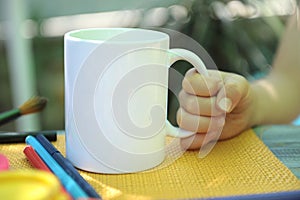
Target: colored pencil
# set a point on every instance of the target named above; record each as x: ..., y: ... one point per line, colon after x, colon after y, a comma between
x: 69, y: 184
x: 35, y: 159
x: 38, y: 163
x: 4, y: 163
x: 19, y: 137
x: 67, y: 166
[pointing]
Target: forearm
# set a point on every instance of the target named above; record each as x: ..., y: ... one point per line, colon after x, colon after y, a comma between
x: 278, y: 95
x: 277, y: 100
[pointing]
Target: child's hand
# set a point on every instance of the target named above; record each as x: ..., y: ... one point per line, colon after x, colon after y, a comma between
x: 221, y: 102
x: 271, y: 100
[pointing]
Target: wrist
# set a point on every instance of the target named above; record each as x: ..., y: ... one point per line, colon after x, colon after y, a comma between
x: 257, y: 109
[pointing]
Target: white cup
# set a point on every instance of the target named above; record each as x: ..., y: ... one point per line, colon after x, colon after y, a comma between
x: 116, y: 83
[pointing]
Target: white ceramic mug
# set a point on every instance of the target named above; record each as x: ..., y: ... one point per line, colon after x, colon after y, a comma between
x: 116, y: 83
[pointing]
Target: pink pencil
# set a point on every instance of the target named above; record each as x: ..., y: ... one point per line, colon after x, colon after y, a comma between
x: 4, y: 163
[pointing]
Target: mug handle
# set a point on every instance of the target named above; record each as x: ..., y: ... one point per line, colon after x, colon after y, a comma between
x: 192, y: 58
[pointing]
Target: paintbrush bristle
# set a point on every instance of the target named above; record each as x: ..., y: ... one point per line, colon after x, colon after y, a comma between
x: 34, y: 104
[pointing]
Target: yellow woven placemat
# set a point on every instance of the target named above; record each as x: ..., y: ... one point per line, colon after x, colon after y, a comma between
x: 240, y: 166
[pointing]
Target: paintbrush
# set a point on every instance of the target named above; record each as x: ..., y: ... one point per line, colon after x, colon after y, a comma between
x: 33, y: 105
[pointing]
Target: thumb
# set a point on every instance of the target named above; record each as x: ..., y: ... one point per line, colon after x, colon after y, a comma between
x: 230, y: 94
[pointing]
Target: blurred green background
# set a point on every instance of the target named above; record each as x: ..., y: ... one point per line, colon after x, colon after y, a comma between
x: 240, y: 36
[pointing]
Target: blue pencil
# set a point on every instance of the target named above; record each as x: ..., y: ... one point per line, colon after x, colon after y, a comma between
x: 69, y: 184
x: 67, y: 166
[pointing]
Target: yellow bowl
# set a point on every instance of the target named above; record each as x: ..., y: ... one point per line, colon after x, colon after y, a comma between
x: 30, y: 185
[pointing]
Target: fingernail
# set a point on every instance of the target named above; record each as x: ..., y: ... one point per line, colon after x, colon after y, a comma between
x: 225, y: 104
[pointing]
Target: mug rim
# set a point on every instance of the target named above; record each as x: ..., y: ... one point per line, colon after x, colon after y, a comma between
x: 108, y: 34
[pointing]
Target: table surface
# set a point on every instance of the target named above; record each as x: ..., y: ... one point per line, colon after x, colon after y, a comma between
x: 284, y: 142
x: 242, y: 167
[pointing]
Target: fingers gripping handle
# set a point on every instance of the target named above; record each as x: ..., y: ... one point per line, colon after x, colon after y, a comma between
x: 192, y: 58
x: 177, y: 132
